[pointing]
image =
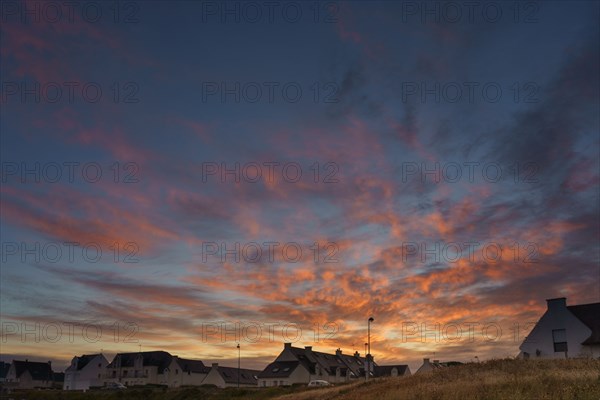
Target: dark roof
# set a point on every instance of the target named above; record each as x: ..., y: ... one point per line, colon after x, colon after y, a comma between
x: 329, y: 362
x: 196, y: 366
x: 4, y: 367
x: 247, y: 376
x: 452, y: 363
x: 437, y: 365
x: 279, y: 369
x: 85, y: 360
x: 160, y: 359
x: 386, y: 370
x: 589, y: 314
x: 39, y: 371
x: 59, y: 377
x: 302, y: 357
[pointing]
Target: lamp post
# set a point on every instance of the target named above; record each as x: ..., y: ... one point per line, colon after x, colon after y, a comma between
x: 368, y: 372
x: 239, y: 358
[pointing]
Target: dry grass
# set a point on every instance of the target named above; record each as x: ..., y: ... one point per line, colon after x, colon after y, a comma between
x: 497, y: 379
x: 492, y: 380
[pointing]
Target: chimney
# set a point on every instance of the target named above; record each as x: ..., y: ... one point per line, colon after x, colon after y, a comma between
x: 287, y: 345
x: 308, y: 348
x: 426, y: 361
x: 356, y: 354
x: 338, y: 352
x: 557, y: 304
x: 436, y: 361
x: 215, y: 365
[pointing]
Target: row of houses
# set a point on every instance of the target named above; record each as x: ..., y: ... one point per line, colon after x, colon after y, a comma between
x: 563, y: 331
x: 30, y: 374
x: 294, y: 365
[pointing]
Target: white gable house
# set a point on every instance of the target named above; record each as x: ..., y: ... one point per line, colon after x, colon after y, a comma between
x: 564, y: 332
x: 85, y: 372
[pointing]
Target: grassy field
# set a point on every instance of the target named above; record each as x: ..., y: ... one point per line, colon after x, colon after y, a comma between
x: 497, y: 379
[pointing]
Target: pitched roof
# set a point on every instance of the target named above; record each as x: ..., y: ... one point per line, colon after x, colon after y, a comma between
x: 329, y: 362
x: 195, y: 366
x: 4, y: 367
x: 386, y: 370
x: 589, y: 314
x: 160, y: 359
x: 279, y: 369
x: 59, y: 377
x: 438, y: 365
x: 247, y: 376
x: 85, y: 360
x: 39, y: 371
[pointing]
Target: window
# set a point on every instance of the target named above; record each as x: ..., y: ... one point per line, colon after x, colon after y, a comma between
x: 176, y: 371
x: 286, y: 369
x: 559, y: 337
x: 275, y: 369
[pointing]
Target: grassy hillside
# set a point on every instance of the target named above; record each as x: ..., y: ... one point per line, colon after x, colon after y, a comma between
x: 498, y: 379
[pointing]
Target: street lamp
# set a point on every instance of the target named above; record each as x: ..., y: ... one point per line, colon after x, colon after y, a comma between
x: 368, y: 372
x: 239, y: 358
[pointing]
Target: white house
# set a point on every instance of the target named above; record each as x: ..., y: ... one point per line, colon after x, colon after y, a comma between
x: 228, y: 377
x: 564, y: 332
x: 301, y: 365
x: 28, y: 375
x: 429, y: 366
x: 155, y: 368
x: 138, y: 369
x: 85, y: 372
x: 184, y: 372
x: 435, y: 364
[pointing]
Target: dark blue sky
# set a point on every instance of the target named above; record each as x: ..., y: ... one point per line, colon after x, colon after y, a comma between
x: 362, y: 99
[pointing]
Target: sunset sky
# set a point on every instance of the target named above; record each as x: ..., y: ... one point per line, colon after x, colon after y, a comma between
x: 437, y: 169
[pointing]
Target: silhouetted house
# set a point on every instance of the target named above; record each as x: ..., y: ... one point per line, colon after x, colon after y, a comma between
x: 143, y: 368
x: 391, y: 370
x: 85, y: 372
x: 301, y: 365
x: 228, y: 377
x: 435, y: 364
x: 564, y: 331
x: 155, y: 368
x: 28, y: 375
x: 184, y: 372
x: 285, y: 373
x: 4, y: 367
x: 429, y: 366
x: 59, y: 379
